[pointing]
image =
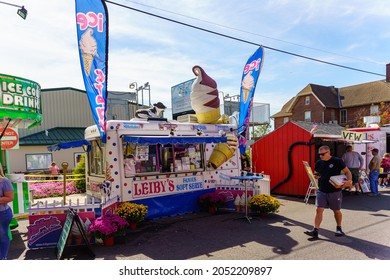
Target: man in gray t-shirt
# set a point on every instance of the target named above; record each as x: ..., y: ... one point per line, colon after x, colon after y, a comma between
x: 354, y: 161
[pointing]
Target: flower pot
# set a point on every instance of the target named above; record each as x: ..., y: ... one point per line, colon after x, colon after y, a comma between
x: 120, y: 238
x: 260, y: 214
x: 133, y: 225
x: 212, y: 210
x: 108, y: 241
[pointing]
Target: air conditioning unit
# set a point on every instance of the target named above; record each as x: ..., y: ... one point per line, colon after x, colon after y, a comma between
x: 334, y: 121
x: 369, y: 120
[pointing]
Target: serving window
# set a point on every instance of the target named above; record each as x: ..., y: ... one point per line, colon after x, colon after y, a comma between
x: 162, y: 158
x: 96, y: 158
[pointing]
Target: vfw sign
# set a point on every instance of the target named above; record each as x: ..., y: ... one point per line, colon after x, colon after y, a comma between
x: 352, y: 136
x: 10, y: 139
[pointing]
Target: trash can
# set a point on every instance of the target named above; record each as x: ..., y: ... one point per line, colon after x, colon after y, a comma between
x: 262, y: 186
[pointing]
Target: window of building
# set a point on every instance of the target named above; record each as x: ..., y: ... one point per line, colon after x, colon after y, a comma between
x: 285, y: 120
x: 307, y: 100
x: 307, y: 116
x: 374, y: 110
x: 332, y: 115
x: 343, y: 116
x: 38, y: 161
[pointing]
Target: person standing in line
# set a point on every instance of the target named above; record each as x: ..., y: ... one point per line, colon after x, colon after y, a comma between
x: 54, y: 170
x: 6, y: 196
x: 328, y: 195
x: 374, y: 167
x: 385, y: 164
x: 354, y: 161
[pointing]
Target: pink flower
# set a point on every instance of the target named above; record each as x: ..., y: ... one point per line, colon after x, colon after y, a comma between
x: 107, y: 225
x: 52, y: 189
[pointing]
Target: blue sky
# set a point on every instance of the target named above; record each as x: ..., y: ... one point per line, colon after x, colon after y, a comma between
x: 354, y: 33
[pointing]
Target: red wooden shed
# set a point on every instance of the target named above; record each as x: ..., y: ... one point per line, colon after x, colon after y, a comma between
x: 281, y: 152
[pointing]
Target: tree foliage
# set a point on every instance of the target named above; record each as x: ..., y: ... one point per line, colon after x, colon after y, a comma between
x: 80, y: 170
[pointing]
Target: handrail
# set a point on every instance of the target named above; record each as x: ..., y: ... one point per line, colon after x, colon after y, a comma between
x: 50, y: 178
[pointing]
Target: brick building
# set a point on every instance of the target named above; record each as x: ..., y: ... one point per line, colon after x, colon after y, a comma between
x: 345, y: 106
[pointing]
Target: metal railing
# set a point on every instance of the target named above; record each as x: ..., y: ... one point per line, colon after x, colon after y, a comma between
x: 38, y: 178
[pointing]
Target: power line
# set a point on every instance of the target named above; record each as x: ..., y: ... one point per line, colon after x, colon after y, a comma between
x: 242, y: 40
x: 251, y: 33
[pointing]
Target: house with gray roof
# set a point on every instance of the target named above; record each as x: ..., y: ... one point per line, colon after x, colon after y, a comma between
x: 345, y: 106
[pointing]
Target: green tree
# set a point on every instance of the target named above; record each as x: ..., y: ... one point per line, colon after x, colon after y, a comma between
x: 80, y: 171
x: 262, y: 130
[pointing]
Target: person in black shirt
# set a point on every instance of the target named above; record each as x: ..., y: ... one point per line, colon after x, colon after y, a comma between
x: 329, y: 196
x: 245, y: 164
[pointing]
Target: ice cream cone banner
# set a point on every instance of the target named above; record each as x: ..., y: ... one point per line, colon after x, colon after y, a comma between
x: 248, y: 86
x: 92, y: 37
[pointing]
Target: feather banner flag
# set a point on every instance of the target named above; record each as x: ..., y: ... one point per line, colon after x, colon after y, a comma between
x: 92, y: 37
x: 248, y: 85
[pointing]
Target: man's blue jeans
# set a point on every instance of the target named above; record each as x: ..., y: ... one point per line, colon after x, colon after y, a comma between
x: 373, y: 177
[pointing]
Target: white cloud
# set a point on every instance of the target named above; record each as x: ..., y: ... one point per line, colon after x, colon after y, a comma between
x: 43, y: 47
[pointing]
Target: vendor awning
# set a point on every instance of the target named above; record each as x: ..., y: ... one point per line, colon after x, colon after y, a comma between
x: 173, y: 139
x: 68, y: 145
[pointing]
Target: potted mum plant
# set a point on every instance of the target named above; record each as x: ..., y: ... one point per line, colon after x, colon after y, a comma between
x: 263, y: 204
x: 133, y: 213
x: 107, y: 226
x: 212, y: 201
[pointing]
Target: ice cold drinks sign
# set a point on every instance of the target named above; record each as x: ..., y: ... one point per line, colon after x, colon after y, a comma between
x: 20, y: 98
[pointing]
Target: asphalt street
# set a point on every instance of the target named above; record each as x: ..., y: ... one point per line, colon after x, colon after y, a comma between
x: 229, y: 236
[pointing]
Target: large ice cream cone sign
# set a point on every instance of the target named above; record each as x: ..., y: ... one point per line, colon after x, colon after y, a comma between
x: 223, y: 151
x: 204, y: 97
x: 88, y: 47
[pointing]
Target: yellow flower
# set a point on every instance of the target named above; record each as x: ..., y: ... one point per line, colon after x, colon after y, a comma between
x: 264, y: 203
x: 132, y: 212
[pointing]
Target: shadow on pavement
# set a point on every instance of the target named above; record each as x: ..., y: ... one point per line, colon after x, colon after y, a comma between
x: 229, y: 236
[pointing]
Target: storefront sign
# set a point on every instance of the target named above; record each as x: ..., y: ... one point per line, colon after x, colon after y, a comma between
x: 352, y: 136
x: 45, y: 230
x: 20, y: 99
x: 166, y: 186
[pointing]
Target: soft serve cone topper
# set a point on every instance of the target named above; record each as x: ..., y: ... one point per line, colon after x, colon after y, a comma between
x: 204, y: 97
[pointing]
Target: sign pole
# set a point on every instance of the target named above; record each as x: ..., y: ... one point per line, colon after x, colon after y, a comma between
x: 64, y: 170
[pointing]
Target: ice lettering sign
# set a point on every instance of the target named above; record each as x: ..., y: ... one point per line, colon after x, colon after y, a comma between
x: 92, y: 37
x: 248, y: 86
x: 20, y: 101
